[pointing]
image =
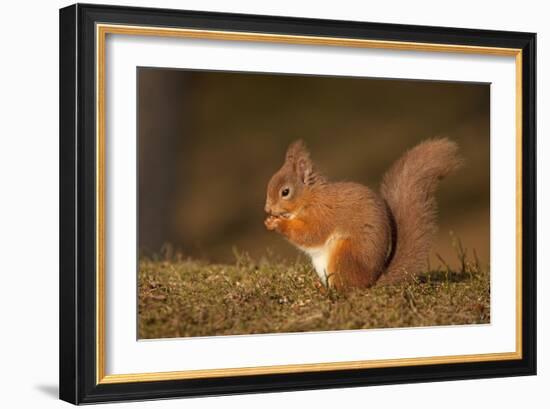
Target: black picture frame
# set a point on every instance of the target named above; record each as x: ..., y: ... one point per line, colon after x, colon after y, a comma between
x: 78, y: 360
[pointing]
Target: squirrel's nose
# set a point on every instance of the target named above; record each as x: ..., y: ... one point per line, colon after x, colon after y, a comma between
x: 267, y: 208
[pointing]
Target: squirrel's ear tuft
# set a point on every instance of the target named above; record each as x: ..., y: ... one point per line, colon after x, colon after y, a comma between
x: 295, y: 150
x: 297, y: 155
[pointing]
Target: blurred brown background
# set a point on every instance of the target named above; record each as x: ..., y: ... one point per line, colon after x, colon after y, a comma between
x: 210, y: 141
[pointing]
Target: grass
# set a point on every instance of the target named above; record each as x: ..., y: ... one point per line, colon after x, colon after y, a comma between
x: 184, y: 298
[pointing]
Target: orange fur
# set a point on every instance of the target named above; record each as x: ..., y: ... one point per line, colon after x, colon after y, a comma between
x: 298, y: 232
x: 346, y: 267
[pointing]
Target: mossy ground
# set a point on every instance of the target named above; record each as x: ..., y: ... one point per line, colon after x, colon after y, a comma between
x: 184, y: 298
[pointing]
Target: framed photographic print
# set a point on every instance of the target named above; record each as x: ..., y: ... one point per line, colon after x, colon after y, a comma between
x: 258, y: 203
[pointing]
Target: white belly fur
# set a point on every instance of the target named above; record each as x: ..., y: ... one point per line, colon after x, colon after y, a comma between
x: 320, y: 258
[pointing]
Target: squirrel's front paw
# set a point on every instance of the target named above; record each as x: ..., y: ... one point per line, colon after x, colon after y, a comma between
x: 272, y: 222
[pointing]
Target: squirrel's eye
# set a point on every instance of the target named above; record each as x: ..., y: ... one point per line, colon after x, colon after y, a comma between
x: 285, y: 192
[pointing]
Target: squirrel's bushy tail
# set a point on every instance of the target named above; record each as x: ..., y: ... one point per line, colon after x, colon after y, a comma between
x: 408, y: 188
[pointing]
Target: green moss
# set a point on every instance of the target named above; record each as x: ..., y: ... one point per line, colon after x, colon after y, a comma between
x: 184, y: 298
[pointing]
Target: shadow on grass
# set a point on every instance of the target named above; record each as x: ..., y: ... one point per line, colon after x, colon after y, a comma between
x: 444, y: 277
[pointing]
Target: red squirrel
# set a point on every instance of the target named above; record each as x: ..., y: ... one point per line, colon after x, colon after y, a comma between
x: 355, y: 236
